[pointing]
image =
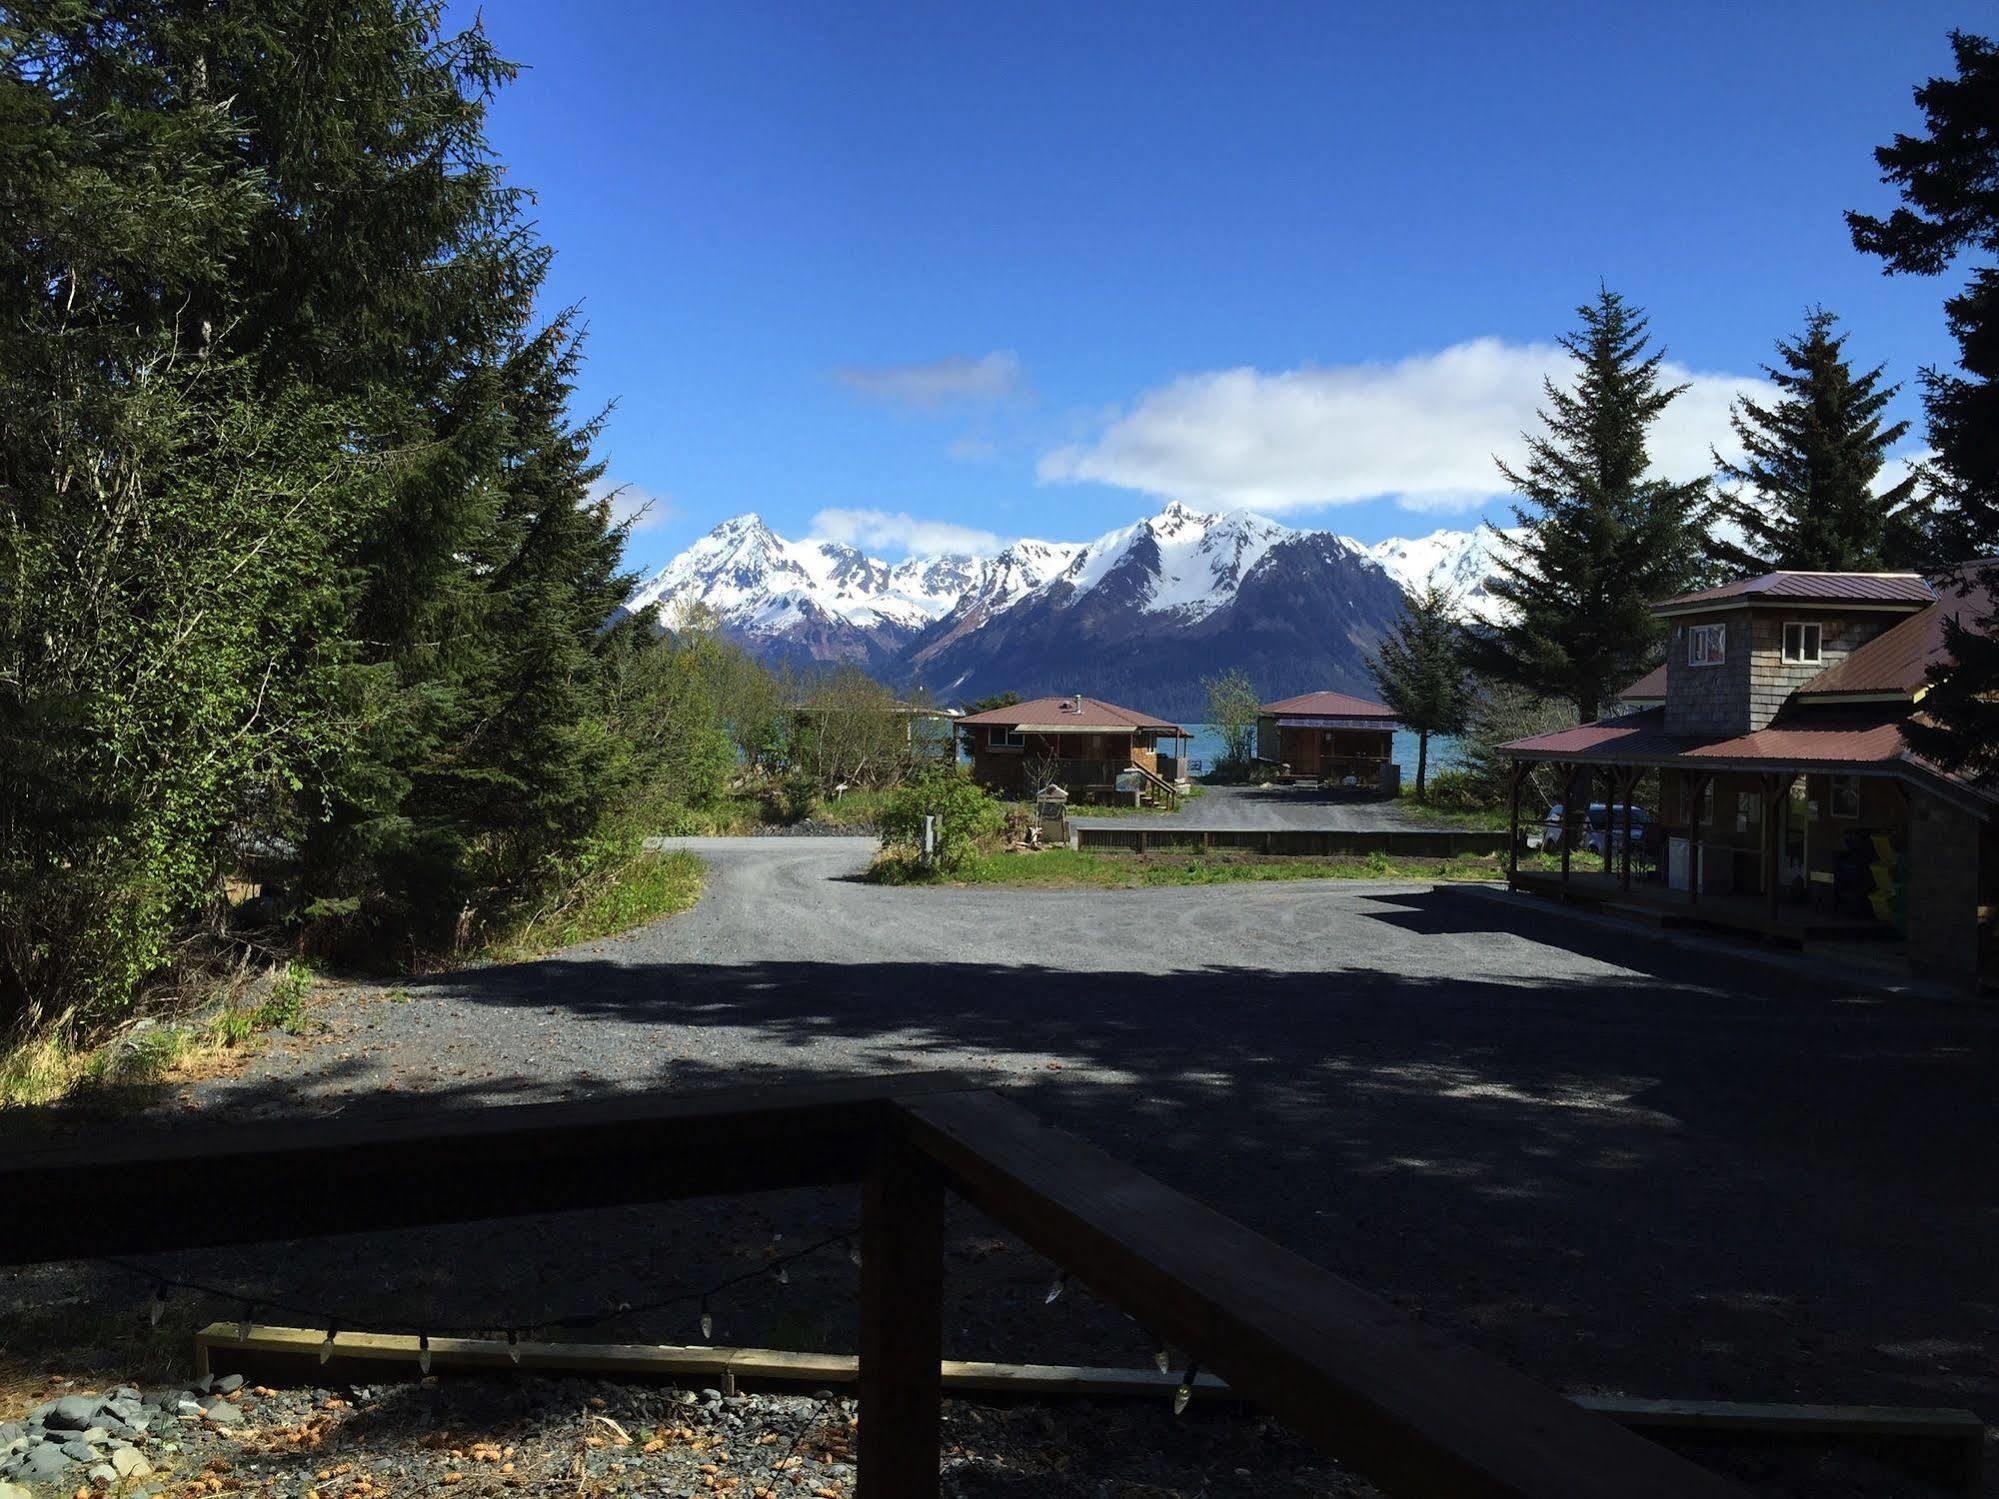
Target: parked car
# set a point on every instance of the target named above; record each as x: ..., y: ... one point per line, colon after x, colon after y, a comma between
x: 1603, y: 821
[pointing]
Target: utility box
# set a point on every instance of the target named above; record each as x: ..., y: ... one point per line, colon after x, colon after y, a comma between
x: 1051, y: 810
x: 1391, y: 779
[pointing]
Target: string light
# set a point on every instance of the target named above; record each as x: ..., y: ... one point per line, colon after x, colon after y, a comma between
x: 1186, y: 1391
x: 1163, y: 1360
x: 423, y: 1352
x: 1055, y: 1291
x: 304, y: 1316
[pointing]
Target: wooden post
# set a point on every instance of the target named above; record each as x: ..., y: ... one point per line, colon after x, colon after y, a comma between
x: 1568, y: 817
x: 902, y: 1323
x: 1513, y: 821
x: 1696, y: 784
x: 1616, y: 779
x: 1629, y: 789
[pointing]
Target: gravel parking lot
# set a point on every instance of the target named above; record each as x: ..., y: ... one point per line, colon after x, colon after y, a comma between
x: 1622, y: 1166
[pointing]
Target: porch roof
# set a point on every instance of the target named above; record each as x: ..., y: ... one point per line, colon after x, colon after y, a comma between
x: 1074, y: 714
x: 1856, y: 738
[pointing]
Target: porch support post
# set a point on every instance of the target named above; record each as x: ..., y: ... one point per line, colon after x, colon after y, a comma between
x: 1515, y: 776
x: 1628, y: 788
x: 1696, y: 784
x: 1568, y: 816
x: 1614, y: 778
x: 902, y: 1323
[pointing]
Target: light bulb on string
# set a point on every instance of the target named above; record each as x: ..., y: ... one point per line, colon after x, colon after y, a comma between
x: 248, y: 1320
x: 1055, y: 1291
x: 1163, y: 1361
x: 513, y: 1345
x: 326, y: 1345
x: 158, y: 1309
x: 423, y: 1352
x: 1186, y: 1391
x: 707, y: 1321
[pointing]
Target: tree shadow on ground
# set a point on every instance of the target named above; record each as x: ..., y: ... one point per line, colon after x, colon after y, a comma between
x: 1630, y: 1182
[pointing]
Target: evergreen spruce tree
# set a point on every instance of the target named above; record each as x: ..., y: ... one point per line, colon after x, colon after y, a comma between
x: 1949, y: 208
x: 1420, y: 672
x: 1604, y: 537
x: 1804, y: 495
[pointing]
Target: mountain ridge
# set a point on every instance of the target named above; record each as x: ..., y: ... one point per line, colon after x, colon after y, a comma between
x: 1147, y: 609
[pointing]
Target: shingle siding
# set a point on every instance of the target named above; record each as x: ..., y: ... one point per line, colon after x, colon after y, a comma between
x: 1748, y: 689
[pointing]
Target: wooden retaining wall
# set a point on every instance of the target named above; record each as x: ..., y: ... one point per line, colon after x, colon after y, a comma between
x: 1413, y: 843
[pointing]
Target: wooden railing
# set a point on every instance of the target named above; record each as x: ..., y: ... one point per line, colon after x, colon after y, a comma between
x: 1348, y: 1372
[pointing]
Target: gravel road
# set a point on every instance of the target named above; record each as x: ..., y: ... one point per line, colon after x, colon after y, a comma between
x: 1623, y: 1166
x: 1274, y: 807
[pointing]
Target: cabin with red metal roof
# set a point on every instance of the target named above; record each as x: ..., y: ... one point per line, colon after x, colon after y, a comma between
x: 1094, y: 750
x: 1330, y: 736
x: 1789, y: 801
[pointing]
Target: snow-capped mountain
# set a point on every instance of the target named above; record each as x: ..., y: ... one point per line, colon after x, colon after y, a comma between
x: 1147, y: 610
x: 1459, y: 562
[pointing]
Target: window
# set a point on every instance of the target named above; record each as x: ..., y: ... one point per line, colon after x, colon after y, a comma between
x: 1801, y: 642
x: 1846, y: 796
x: 1707, y: 645
x: 1005, y: 739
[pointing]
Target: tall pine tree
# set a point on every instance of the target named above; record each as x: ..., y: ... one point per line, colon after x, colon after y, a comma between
x: 1949, y: 180
x: 1604, y: 537
x: 1804, y: 494
x: 1420, y: 672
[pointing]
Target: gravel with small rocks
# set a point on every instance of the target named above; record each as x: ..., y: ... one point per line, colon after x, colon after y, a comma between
x: 499, y: 1437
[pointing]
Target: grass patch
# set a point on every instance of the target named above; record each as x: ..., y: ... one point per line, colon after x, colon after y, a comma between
x: 128, y: 1067
x: 1065, y: 868
x: 1433, y: 814
x: 626, y: 893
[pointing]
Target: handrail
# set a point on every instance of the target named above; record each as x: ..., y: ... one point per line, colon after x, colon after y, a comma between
x: 1172, y: 791
x: 1385, y: 1395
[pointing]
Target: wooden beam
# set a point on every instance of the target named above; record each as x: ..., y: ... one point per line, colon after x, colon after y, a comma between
x: 283, y: 1352
x: 1395, y: 1400
x: 902, y: 1322
x: 182, y: 1188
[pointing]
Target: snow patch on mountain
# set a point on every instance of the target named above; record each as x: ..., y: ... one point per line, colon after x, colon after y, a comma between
x: 1461, y: 563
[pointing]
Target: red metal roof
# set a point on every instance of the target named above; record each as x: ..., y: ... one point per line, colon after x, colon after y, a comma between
x: 1896, y: 660
x: 1811, y: 588
x: 1062, y: 712
x: 1818, y: 736
x: 1330, y: 705
x: 1650, y: 688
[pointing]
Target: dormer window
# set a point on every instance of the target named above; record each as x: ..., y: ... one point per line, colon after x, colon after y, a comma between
x: 1707, y: 645
x: 1801, y: 643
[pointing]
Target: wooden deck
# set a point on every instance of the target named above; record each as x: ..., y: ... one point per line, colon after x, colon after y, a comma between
x: 1793, y: 922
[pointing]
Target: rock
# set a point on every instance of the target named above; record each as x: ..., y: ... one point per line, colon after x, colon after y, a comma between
x: 43, y: 1461
x: 72, y: 1412
x: 229, y: 1384
x: 711, y: 1397
x: 97, y: 1436
x: 79, y: 1451
x: 14, y: 1491
x: 104, y: 1475
x: 10, y: 1430
x: 187, y: 1408
x: 130, y: 1463
x: 224, y: 1414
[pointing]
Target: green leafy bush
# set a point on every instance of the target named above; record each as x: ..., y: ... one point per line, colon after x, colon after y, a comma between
x: 967, y: 818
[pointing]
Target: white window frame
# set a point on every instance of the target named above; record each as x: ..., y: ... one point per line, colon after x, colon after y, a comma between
x: 1004, y: 739
x: 1835, y: 785
x: 1807, y: 629
x: 1715, y: 650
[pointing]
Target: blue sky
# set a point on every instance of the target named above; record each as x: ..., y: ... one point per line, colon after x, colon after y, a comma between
x: 915, y: 274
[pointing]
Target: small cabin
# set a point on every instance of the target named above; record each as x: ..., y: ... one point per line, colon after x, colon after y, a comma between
x: 1330, y: 736
x: 1096, y: 751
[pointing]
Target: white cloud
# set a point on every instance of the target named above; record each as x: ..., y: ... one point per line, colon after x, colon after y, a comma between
x: 991, y: 378
x: 1900, y: 465
x: 628, y: 502
x: 1423, y: 430
x: 896, y: 531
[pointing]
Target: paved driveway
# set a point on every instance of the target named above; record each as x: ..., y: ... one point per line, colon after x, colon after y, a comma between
x: 1219, y: 807
x: 1615, y: 1163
